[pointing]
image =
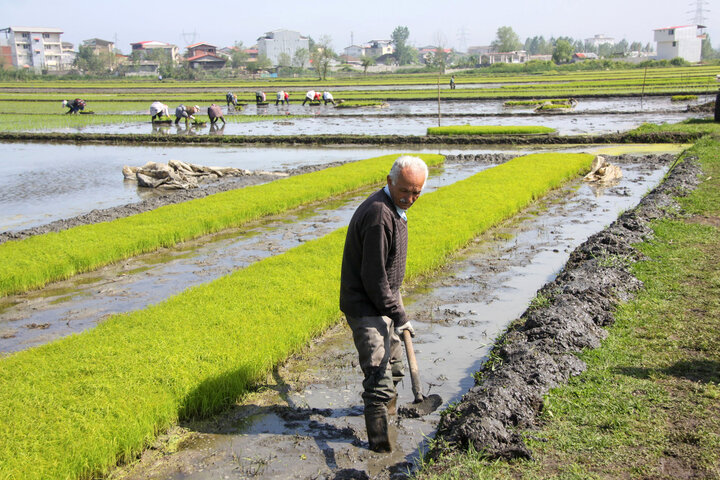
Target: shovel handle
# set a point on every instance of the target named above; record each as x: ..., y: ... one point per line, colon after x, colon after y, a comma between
x: 414, y: 374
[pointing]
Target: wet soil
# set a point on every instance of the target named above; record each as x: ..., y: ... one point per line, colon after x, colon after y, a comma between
x: 306, y: 420
x: 538, y: 351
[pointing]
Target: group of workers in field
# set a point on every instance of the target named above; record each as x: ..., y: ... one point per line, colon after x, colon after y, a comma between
x: 159, y: 110
x: 214, y: 112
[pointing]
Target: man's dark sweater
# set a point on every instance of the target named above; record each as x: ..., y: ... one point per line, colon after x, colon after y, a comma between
x: 373, y: 264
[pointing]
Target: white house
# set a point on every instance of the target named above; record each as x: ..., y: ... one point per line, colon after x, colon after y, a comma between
x: 355, y: 51
x: 597, y: 40
x: 143, y: 48
x: 683, y: 41
x: 272, y: 44
x: 39, y: 48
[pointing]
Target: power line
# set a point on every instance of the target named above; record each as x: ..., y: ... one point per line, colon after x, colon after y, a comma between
x: 699, y: 14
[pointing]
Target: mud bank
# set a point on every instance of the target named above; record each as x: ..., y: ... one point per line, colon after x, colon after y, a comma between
x: 537, y: 352
x: 169, y: 198
x: 145, y: 139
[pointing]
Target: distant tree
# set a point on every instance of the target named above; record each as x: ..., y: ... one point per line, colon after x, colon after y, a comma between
x: 605, y: 50
x: 563, y: 51
x: 367, y: 62
x: 506, y: 40
x: 636, y: 46
x: 239, y: 56
x: 399, y: 38
x: 300, y: 58
x: 262, y: 63
x: 708, y: 53
x: 284, y: 60
x: 89, y: 61
x: 621, y: 48
x: 322, y: 56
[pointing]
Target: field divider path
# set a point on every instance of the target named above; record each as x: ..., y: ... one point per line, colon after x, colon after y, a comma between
x: 75, y: 407
x: 36, y: 261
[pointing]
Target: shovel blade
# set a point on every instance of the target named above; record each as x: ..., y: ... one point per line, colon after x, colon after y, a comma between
x: 418, y: 409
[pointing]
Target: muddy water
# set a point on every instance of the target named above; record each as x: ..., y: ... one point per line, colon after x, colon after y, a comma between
x: 81, y: 302
x: 469, y: 107
x: 41, y: 183
x: 307, y: 423
x: 565, y: 124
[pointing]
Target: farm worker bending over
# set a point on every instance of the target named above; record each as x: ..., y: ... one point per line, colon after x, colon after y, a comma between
x: 259, y: 97
x: 185, y: 112
x: 287, y: 98
x: 373, y: 268
x: 215, y: 114
x: 327, y: 97
x: 280, y: 98
x: 158, y: 109
x: 231, y: 99
x: 309, y: 97
x: 74, y: 105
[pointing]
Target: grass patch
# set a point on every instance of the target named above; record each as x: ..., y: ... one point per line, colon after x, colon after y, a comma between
x: 490, y: 130
x: 74, y: 407
x: 35, y: 261
x: 648, y: 405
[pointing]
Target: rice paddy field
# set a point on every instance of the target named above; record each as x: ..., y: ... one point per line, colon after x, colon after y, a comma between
x: 91, y: 403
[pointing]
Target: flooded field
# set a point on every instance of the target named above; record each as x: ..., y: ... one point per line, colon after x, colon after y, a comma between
x: 565, y: 124
x: 311, y: 408
x: 42, y: 183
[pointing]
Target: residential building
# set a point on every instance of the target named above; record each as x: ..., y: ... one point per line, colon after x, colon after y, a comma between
x: 277, y: 42
x: 100, y: 46
x: 683, y: 41
x: 580, y: 56
x: 204, y: 56
x: 355, y: 51
x: 378, y: 48
x: 144, y: 49
x: 68, y: 56
x: 39, y: 48
x: 519, y: 56
x: 597, y: 40
x: 425, y: 54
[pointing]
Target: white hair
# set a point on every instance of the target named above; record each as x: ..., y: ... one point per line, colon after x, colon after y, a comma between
x: 407, y: 161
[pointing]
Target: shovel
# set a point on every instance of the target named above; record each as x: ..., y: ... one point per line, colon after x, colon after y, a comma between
x: 422, y: 405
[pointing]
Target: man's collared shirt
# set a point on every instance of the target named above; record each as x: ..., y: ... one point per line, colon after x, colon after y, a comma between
x: 400, y: 211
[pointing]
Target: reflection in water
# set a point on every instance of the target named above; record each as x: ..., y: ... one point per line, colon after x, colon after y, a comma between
x: 215, y: 130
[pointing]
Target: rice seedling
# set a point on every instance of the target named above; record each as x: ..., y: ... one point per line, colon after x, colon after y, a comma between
x: 75, y: 407
x: 490, y: 130
x: 35, y: 261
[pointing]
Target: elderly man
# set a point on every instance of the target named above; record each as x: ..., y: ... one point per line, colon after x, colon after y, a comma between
x: 373, y: 268
x: 158, y: 109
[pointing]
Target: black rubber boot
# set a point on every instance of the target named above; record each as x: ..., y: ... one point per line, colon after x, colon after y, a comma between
x: 376, y: 422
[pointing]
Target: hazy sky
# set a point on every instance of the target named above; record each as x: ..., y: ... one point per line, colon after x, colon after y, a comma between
x: 457, y: 23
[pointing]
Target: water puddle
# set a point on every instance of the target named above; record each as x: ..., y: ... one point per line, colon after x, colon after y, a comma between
x: 307, y: 422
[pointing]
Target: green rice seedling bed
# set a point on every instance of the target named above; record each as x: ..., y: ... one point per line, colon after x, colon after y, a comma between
x: 35, y: 261
x: 75, y: 407
x: 516, y: 103
x: 490, y: 130
x: 553, y: 106
x: 361, y: 103
x: 682, y: 98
